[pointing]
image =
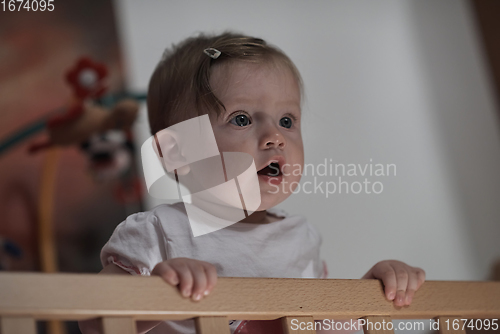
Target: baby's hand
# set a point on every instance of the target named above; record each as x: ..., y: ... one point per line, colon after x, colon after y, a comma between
x: 194, y: 278
x: 399, y: 279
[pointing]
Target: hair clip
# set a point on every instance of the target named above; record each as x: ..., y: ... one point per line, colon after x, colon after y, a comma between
x: 212, y: 53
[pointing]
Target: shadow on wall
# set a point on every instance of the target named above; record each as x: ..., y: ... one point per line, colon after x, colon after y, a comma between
x: 465, y: 116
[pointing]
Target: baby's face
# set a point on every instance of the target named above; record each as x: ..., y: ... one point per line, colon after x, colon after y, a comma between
x: 262, y: 118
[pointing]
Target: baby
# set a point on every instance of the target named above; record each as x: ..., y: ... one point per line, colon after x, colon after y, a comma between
x: 251, y: 92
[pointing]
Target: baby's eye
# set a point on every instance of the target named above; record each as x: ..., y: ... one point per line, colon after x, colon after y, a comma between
x: 240, y: 120
x: 286, y: 122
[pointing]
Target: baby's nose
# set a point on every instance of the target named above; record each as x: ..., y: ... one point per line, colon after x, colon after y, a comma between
x: 274, y: 139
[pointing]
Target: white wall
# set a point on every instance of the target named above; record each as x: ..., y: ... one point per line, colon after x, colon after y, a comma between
x: 398, y: 82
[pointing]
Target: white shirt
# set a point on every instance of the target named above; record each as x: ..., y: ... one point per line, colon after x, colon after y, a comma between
x: 288, y: 248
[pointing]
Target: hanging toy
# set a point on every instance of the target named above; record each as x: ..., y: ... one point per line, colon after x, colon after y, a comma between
x: 110, y: 154
x: 82, y: 118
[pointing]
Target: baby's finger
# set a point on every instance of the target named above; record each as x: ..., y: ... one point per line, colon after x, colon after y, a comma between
x: 186, y: 279
x: 421, y: 277
x: 211, y: 273
x: 402, y: 285
x: 386, y: 273
x: 412, y: 287
x: 199, y: 280
x: 167, y: 273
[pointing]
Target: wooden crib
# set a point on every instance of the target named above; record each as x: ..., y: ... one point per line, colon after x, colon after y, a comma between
x: 122, y: 300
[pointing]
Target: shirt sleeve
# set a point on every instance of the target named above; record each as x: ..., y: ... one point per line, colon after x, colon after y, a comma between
x: 136, y: 245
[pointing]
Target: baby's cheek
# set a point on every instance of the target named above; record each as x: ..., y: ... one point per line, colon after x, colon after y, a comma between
x: 294, y: 181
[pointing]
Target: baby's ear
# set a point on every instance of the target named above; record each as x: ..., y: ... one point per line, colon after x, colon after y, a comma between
x: 168, y: 151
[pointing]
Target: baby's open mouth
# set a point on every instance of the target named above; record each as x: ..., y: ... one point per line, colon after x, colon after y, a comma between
x: 273, y: 169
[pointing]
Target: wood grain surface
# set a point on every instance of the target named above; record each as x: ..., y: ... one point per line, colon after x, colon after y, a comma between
x: 84, y: 296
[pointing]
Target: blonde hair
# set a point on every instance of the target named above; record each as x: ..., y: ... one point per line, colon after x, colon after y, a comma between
x: 179, y: 88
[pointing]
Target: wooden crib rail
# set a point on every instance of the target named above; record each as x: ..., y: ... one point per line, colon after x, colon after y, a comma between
x: 121, y: 300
